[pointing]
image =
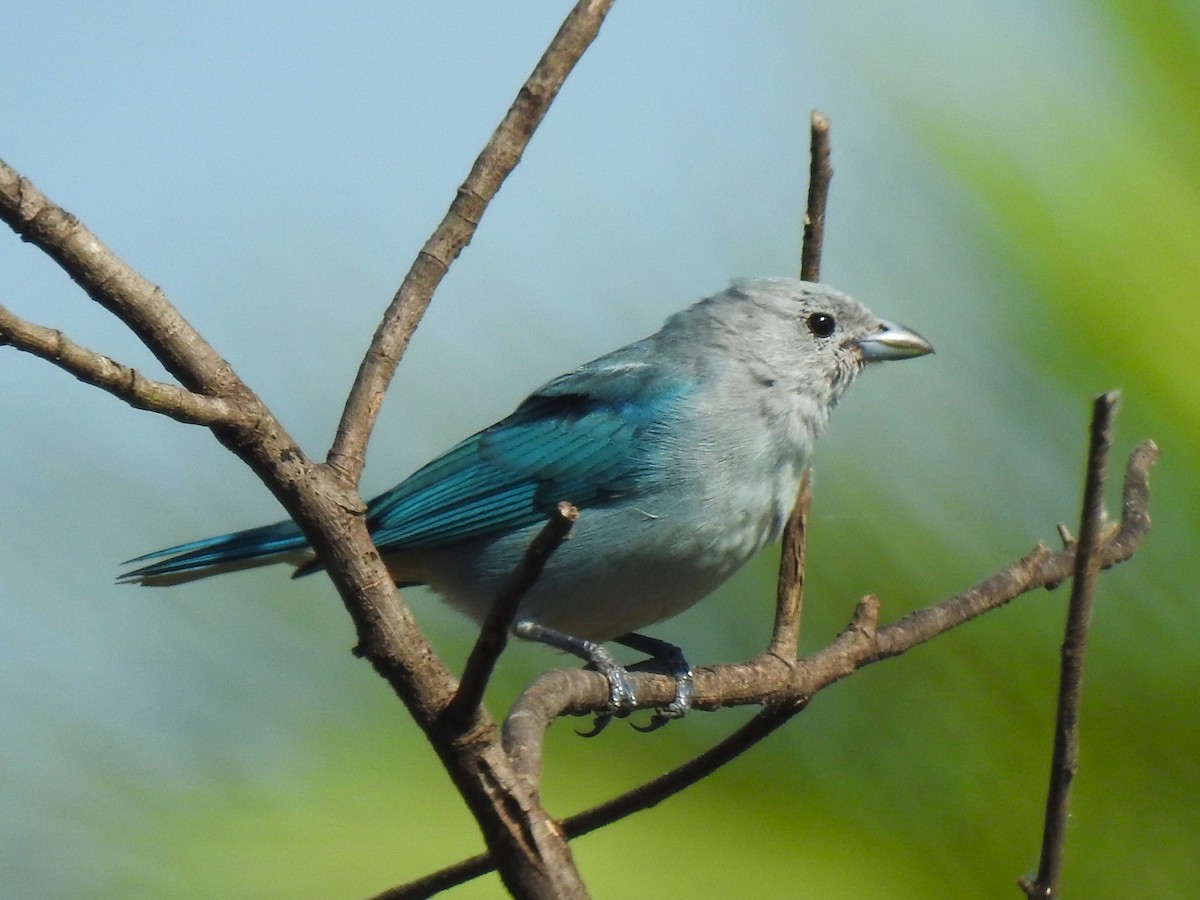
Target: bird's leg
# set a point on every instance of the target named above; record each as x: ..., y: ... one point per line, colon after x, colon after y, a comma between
x: 621, y: 699
x: 671, y: 657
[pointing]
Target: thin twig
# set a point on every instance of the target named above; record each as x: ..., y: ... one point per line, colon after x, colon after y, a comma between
x: 789, y: 589
x: 119, y: 380
x: 820, y: 173
x: 645, y: 796
x: 498, y: 158
x: 789, y: 592
x: 1079, y: 614
x: 650, y: 794
x: 117, y: 287
x: 493, y: 636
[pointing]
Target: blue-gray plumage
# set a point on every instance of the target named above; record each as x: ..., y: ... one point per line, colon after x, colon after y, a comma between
x: 683, y: 453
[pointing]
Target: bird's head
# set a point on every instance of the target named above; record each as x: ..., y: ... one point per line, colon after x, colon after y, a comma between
x: 802, y: 335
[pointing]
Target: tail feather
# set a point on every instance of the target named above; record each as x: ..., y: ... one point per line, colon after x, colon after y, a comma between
x: 281, y: 542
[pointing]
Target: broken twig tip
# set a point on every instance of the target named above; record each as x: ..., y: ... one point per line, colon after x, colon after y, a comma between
x: 866, y: 614
x: 1064, y: 533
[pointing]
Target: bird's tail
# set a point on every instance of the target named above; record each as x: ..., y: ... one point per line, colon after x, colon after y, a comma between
x: 281, y: 542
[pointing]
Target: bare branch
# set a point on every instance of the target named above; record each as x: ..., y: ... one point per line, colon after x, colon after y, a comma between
x: 115, y: 286
x: 493, y: 637
x: 493, y: 165
x: 535, y: 858
x: 121, y: 381
x: 536, y: 861
x: 768, y: 679
x: 650, y: 794
x: 789, y: 590
x: 441, y: 880
x: 820, y: 173
x: 1079, y: 614
x: 789, y: 593
x: 645, y: 796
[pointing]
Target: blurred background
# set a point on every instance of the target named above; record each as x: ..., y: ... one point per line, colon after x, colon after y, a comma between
x: 1019, y: 181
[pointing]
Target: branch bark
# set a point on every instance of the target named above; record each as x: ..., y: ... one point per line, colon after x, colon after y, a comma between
x: 789, y: 587
x: 121, y: 381
x: 137, y: 302
x: 1079, y: 616
x: 493, y: 636
x: 820, y: 174
x: 498, y: 158
x: 645, y: 796
x: 789, y: 591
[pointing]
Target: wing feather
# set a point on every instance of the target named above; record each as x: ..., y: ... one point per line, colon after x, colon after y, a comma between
x: 581, y: 438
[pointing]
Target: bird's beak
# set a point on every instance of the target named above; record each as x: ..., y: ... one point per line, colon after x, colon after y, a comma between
x: 893, y: 342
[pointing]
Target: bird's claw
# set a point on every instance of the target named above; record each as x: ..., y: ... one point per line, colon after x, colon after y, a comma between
x: 601, y: 722
x: 680, y: 705
x: 621, y: 698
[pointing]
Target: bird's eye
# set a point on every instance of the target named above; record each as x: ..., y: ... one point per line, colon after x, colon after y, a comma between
x: 822, y: 325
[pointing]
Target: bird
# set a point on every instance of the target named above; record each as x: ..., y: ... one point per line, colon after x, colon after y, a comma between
x: 683, y: 453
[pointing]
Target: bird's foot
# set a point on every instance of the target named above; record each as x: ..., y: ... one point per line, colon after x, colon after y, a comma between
x: 621, y: 698
x: 677, y: 666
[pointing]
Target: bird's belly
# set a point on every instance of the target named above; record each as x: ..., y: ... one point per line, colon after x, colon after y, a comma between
x: 621, y: 569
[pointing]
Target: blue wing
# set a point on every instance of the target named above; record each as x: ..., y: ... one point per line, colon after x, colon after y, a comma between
x: 586, y: 437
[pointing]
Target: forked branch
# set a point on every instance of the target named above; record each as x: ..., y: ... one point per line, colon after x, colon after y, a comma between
x: 115, y: 285
x: 497, y: 159
x: 323, y: 500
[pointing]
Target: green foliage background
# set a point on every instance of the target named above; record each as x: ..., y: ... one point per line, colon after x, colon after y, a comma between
x: 1020, y: 184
